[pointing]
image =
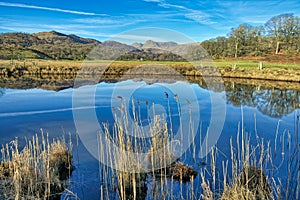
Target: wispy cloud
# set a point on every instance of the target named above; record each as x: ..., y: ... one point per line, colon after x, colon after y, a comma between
x: 153, y: 0
x: 110, y: 22
x: 135, y: 38
x: 28, y: 27
x: 255, y: 12
x: 48, y: 8
x: 192, y: 14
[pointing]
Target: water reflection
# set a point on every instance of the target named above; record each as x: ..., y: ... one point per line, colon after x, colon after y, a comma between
x: 52, y: 111
x: 2, y: 91
x: 272, y: 98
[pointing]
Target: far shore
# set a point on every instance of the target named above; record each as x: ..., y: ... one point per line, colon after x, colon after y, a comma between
x: 229, y: 68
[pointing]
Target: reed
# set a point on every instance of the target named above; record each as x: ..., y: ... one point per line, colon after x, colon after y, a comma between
x: 252, y: 169
x: 40, y: 170
x: 247, y: 173
x: 142, y: 158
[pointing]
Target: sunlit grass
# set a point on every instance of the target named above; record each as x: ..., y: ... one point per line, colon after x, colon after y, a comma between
x: 40, y: 170
x: 255, y: 64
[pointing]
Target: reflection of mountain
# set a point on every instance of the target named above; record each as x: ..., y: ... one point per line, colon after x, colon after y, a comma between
x: 272, y: 98
x: 34, y: 82
x: 270, y: 101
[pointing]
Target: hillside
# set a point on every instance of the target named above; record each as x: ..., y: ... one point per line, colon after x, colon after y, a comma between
x: 49, y: 45
x: 58, y: 46
x: 55, y: 45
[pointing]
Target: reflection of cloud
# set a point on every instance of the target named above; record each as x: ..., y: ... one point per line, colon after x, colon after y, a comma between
x: 46, y: 8
x: 15, y: 114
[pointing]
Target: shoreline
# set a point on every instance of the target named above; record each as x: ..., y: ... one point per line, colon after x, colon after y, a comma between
x: 226, y: 69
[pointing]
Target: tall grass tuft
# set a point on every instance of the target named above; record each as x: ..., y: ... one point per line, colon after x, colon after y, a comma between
x: 246, y: 174
x: 140, y: 160
x: 250, y: 170
x: 39, y: 171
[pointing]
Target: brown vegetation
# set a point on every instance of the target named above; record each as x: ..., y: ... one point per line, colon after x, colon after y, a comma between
x: 39, y: 171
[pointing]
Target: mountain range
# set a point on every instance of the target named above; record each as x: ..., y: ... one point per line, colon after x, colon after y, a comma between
x: 55, y: 45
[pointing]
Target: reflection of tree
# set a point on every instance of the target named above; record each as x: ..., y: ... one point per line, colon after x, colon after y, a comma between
x: 270, y: 101
x: 277, y: 102
x: 2, y: 91
x: 239, y: 94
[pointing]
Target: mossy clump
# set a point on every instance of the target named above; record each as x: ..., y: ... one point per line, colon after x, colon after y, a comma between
x: 178, y: 171
x: 252, y: 184
x: 183, y: 173
x: 60, y: 161
x: 256, y: 181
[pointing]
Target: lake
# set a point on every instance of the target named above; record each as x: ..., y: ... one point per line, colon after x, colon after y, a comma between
x: 264, y: 111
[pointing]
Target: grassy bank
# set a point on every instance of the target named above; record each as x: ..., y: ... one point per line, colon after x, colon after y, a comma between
x: 225, y: 68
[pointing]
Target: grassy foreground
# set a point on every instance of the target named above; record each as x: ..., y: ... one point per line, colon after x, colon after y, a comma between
x: 38, y: 171
x: 250, y: 69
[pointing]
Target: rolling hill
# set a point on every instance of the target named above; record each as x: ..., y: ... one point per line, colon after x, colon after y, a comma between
x: 55, y: 45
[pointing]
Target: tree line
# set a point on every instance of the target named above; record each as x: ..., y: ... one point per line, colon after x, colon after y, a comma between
x: 280, y: 34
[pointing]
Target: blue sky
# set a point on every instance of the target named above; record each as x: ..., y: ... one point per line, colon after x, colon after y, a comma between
x: 102, y: 19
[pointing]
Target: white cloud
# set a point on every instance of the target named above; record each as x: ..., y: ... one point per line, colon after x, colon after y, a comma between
x: 17, y: 26
x: 135, y: 38
x: 47, y: 8
x: 109, y: 22
x: 192, y: 14
x: 153, y: 0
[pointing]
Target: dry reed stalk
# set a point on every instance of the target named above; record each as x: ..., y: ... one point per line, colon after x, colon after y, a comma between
x: 38, y: 171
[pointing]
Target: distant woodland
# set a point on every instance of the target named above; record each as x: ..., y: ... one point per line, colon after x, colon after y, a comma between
x: 279, y: 35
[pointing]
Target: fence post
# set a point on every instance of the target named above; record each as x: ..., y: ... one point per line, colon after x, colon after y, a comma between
x: 260, y: 65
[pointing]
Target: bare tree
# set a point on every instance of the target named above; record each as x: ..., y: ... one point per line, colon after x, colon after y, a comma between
x: 284, y: 29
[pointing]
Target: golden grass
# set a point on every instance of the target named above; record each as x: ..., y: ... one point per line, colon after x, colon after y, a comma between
x: 246, y: 179
x: 237, y: 192
x: 39, y: 171
x: 133, y: 169
x: 228, y: 69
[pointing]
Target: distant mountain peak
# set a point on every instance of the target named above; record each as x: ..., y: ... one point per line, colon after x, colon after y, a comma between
x: 153, y: 44
x: 49, y: 33
x: 57, y: 33
x: 56, y: 45
x: 54, y: 36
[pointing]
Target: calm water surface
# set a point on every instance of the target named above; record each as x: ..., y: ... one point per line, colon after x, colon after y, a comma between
x: 264, y: 108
